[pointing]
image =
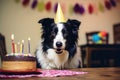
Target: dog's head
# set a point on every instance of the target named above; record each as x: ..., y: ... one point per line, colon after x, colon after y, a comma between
x: 59, y: 36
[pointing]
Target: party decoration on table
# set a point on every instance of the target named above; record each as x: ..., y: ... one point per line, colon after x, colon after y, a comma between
x: 59, y: 15
x: 76, y: 7
x: 26, y: 2
x: 58, y: 73
x: 90, y: 9
x: 41, y: 6
x: 34, y: 4
x: 48, y: 6
x: 43, y: 73
x: 97, y: 37
x: 107, y: 5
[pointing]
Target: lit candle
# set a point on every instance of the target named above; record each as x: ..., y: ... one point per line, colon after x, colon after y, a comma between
x: 18, y: 47
x: 15, y: 48
x: 22, y: 46
x: 29, y: 45
x: 13, y: 45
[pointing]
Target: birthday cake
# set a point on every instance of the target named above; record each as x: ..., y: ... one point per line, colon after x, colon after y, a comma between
x: 19, y: 62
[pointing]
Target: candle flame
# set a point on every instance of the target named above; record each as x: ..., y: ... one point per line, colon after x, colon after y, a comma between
x: 12, y: 36
x: 22, y: 41
x: 29, y: 38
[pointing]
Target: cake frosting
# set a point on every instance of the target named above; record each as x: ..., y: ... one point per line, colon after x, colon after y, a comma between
x: 19, y: 62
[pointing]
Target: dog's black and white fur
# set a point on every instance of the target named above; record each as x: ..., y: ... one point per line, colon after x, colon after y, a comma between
x: 58, y: 48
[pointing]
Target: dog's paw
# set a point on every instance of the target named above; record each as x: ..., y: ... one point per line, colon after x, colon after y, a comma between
x: 49, y: 67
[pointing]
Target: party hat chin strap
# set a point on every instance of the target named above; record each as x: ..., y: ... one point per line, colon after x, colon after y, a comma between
x: 59, y: 15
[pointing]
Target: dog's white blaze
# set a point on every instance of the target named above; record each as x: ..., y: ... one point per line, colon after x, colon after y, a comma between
x: 59, y: 36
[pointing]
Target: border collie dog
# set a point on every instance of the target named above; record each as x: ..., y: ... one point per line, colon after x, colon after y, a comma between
x: 58, y: 47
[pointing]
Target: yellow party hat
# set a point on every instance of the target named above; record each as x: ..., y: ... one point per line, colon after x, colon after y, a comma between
x: 59, y: 15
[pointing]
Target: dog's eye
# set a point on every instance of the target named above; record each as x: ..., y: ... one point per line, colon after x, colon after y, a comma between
x: 53, y: 34
x: 74, y: 31
x: 65, y: 33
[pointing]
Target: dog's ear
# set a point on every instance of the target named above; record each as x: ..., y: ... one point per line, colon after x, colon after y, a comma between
x: 74, y: 27
x: 74, y: 23
x: 46, y: 21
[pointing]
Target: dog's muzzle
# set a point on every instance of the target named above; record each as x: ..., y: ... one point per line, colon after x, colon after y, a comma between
x: 59, y: 49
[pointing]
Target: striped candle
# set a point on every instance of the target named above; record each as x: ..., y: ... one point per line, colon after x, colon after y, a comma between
x: 13, y: 45
x: 22, y: 46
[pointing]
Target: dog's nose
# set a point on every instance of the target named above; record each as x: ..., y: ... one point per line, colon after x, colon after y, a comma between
x: 58, y: 44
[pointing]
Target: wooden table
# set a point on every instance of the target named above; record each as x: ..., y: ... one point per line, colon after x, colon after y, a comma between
x: 103, y: 52
x: 112, y: 73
